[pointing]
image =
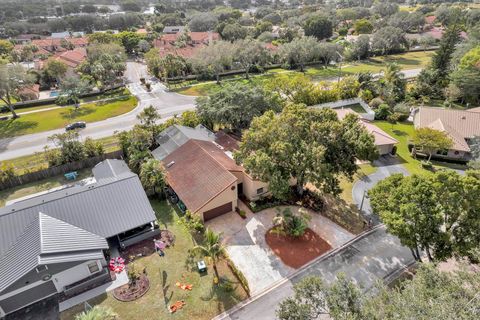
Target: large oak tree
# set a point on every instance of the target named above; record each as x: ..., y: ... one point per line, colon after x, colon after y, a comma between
x: 307, y: 145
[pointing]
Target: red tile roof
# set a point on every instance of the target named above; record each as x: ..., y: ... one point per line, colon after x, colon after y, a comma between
x: 72, y: 58
x: 430, y: 19
x: 198, y: 171
x: 166, y: 43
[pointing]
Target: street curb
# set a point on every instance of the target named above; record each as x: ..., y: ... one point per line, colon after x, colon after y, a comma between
x: 275, y: 285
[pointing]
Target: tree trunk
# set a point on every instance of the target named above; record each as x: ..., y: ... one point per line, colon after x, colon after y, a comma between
x: 247, y: 76
x: 12, y: 110
x: 218, y: 78
x: 429, y: 255
x: 215, y: 270
x: 414, y: 254
x: 418, y: 254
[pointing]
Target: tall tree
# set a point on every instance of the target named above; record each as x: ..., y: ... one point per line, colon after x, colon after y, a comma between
x: 318, y: 26
x: 71, y: 89
x: 435, y: 213
x: 13, y: 79
x: 250, y: 53
x: 235, y: 105
x: 430, y: 141
x: 71, y: 148
x: 214, y: 58
x: 299, y: 52
x: 56, y: 69
x: 152, y: 175
x: 148, y: 120
x: 308, y: 145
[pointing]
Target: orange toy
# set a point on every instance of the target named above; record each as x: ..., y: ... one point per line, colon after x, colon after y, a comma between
x: 184, y: 286
x: 176, y: 306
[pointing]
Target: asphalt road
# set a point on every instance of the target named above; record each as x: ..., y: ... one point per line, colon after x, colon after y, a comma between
x: 167, y: 103
x: 366, y: 261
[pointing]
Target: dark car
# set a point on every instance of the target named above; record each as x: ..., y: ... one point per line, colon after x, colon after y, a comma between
x: 76, y: 125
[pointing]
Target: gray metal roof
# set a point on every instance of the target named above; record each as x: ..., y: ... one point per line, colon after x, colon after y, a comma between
x: 110, y: 168
x: 173, y: 29
x: 48, y: 240
x: 175, y: 136
x: 103, y: 209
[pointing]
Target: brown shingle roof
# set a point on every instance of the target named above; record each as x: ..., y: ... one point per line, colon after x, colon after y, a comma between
x: 458, y: 124
x: 198, y: 172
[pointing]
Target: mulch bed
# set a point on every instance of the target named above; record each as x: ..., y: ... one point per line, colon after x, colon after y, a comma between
x: 147, y: 247
x: 130, y: 292
x: 295, y: 252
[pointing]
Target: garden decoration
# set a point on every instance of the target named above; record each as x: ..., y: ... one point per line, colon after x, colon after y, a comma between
x: 176, y: 306
x: 184, y: 286
x: 117, y: 264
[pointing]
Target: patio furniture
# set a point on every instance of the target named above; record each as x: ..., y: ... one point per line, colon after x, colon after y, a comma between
x: 71, y: 175
x: 202, y: 267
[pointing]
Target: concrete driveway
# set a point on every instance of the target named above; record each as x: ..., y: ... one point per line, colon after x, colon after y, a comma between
x: 246, y: 245
x: 386, y: 166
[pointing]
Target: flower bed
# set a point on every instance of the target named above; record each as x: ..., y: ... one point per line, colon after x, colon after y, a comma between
x: 310, y: 200
x: 132, y: 291
x: 147, y: 246
x: 295, y: 252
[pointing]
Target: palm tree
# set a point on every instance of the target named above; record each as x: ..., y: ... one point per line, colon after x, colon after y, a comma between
x: 152, y: 174
x: 97, y: 313
x: 212, y: 248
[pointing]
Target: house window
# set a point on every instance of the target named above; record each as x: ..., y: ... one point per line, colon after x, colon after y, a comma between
x: 93, y: 267
x: 443, y: 152
x: 41, y: 268
x: 259, y: 190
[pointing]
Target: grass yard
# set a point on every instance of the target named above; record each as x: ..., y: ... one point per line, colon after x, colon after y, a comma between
x: 37, y: 161
x: 402, y: 132
x: 203, y: 302
x: 346, y: 185
x: 59, y: 118
x: 406, y: 61
x: 39, y: 186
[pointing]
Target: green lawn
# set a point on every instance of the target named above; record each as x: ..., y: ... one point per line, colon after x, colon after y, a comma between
x: 406, y: 61
x: 39, y: 186
x: 37, y: 161
x: 346, y: 185
x: 59, y: 118
x: 403, y: 132
x: 205, y: 300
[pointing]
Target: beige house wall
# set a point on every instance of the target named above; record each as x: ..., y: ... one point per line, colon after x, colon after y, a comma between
x: 251, y: 186
x: 385, y: 149
x: 227, y: 195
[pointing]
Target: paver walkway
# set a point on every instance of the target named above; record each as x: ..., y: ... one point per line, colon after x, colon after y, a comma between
x: 246, y: 245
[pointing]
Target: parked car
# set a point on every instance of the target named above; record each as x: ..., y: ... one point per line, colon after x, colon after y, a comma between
x: 76, y: 125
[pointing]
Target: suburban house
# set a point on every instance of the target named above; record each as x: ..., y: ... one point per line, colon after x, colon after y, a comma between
x: 166, y: 44
x: 460, y: 125
x: 173, y: 29
x: 50, y: 46
x: 202, y: 172
x: 55, y: 242
x: 30, y: 93
x: 383, y: 141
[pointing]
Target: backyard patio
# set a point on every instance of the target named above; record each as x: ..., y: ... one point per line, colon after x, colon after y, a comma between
x: 177, y: 266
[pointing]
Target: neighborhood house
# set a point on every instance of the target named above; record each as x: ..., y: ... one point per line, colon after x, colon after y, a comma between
x: 202, y: 172
x: 56, y: 242
x: 459, y: 125
x: 167, y: 43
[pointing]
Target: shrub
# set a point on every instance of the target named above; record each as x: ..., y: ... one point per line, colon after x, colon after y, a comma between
x: 366, y: 95
x: 376, y: 102
x: 238, y: 274
x: 93, y: 148
x: 133, y: 272
x: 382, y: 112
x: 7, y: 172
x: 294, y: 224
x: 192, y: 222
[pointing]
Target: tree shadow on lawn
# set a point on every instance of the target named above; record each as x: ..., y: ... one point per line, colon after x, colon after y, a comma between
x: 164, y: 212
x: 113, y: 100
x: 13, y: 127
x: 224, y: 294
x: 400, y: 132
x: 72, y: 113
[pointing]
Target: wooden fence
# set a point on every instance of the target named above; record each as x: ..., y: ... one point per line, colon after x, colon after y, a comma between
x: 58, y: 170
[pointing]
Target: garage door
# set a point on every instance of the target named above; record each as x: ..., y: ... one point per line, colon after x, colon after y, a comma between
x: 28, y: 297
x: 218, y: 211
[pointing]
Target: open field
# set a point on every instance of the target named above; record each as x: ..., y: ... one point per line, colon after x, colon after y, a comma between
x: 59, y: 118
x: 205, y: 300
x: 406, y: 61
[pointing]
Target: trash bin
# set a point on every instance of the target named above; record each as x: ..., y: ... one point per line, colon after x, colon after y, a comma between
x: 202, y: 267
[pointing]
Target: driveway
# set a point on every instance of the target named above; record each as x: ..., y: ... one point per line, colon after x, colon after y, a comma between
x: 246, y: 245
x: 386, y: 166
x: 167, y: 104
x: 366, y: 260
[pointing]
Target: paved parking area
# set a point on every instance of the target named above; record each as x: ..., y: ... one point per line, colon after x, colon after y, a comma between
x: 246, y: 245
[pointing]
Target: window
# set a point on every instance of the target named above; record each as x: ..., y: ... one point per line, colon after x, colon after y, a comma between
x: 41, y: 268
x: 443, y: 152
x: 259, y: 190
x: 93, y: 267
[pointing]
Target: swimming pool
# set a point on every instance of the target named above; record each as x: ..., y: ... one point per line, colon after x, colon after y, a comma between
x: 53, y: 94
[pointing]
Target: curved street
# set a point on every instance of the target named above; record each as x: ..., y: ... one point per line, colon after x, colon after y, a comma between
x: 167, y: 103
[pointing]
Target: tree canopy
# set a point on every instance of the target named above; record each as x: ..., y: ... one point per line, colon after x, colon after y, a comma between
x: 437, y: 213
x: 308, y: 145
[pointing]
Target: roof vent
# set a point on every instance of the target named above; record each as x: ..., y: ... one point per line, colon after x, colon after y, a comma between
x: 170, y: 164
